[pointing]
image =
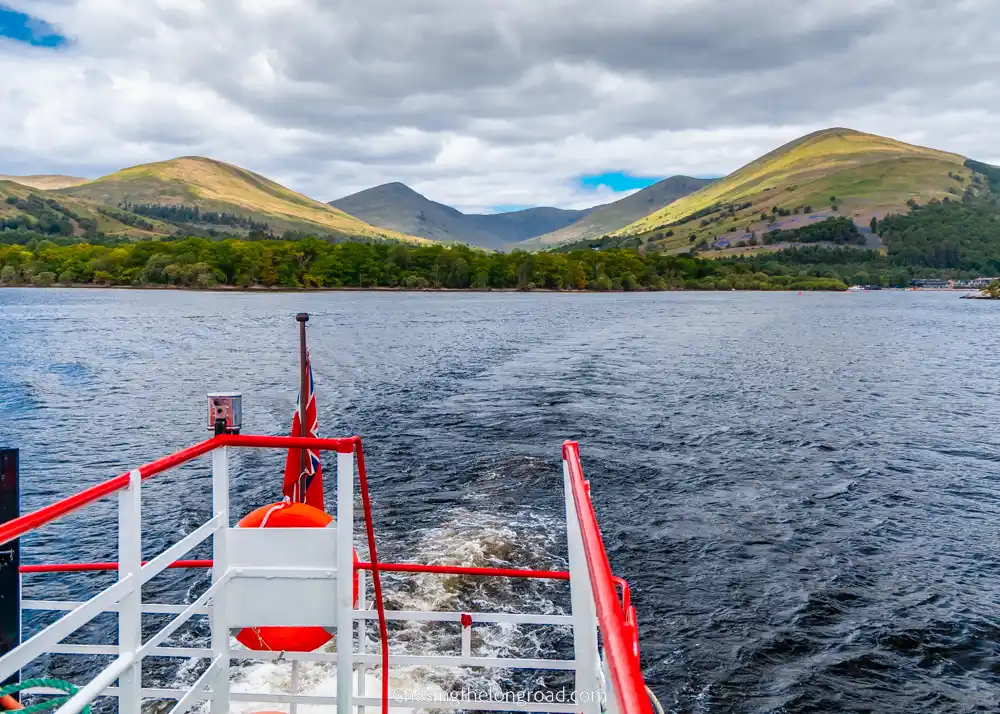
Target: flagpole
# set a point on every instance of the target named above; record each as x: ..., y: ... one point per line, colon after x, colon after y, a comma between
x: 302, y: 318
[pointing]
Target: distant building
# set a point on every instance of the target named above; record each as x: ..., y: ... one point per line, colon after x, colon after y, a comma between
x: 942, y: 284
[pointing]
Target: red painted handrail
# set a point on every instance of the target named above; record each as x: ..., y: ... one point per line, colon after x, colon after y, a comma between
x: 19, y: 526
x: 360, y: 565
x: 616, y: 618
x: 30, y: 521
x: 619, y: 639
x: 383, y: 627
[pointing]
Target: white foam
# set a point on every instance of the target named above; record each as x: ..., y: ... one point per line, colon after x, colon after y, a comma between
x: 478, y: 539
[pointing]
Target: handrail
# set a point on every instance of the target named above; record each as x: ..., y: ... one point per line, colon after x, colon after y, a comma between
x: 383, y: 627
x: 360, y: 565
x: 17, y: 527
x: 30, y: 521
x: 616, y: 618
x: 619, y: 647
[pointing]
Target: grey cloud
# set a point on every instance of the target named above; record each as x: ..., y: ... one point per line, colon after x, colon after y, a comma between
x: 522, y: 95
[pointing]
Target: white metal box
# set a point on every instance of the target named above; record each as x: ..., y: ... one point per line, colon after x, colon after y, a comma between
x: 281, y: 577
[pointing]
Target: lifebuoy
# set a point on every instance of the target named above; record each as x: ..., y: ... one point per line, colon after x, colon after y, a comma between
x: 288, y: 639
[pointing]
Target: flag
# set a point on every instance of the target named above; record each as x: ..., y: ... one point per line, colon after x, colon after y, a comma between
x: 305, y: 486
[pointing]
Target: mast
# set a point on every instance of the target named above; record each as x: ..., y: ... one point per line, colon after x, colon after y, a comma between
x: 302, y: 318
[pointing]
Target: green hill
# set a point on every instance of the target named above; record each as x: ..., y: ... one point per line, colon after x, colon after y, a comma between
x: 835, y: 172
x: 42, y: 212
x: 612, y: 216
x: 45, y: 181
x: 215, y: 187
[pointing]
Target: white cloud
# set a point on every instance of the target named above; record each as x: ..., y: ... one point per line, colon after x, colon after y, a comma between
x: 498, y: 102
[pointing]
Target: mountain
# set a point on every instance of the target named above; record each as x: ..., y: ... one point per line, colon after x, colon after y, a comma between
x: 45, y: 181
x: 171, y: 190
x: 398, y: 207
x: 612, y: 216
x: 830, y: 173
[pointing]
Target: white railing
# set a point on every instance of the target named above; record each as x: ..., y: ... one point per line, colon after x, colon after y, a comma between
x: 592, y: 675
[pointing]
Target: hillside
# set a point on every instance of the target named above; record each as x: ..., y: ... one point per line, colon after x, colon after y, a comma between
x: 835, y: 172
x: 217, y: 187
x: 613, y: 216
x: 398, y: 207
x: 28, y: 212
x: 45, y: 182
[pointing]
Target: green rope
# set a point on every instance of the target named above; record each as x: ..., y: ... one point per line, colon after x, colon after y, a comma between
x: 52, y: 703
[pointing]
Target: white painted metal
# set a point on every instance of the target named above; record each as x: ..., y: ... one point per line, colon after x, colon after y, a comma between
x: 467, y: 642
x: 582, y: 603
x: 294, y: 708
x: 151, y: 608
x: 510, y: 618
x: 267, y: 567
x: 458, y: 661
x: 220, y: 563
x: 345, y: 587
x: 130, y: 606
x: 360, y: 604
x: 179, y: 621
x: 266, y: 564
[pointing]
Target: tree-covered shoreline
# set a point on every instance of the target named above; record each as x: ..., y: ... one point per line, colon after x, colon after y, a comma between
x: 312, y: 263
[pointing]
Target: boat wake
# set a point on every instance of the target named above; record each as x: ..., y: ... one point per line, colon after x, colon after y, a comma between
x: 477, y: 539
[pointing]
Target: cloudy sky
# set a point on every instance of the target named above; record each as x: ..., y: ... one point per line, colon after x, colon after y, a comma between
x: 484, y: 104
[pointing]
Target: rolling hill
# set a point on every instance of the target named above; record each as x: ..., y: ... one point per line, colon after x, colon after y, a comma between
x: 24, y: 207
x: 834, y: 172
x: 45, y: 181
x: 398, y: 207
x: 612, y: 216
x: 216, y: 187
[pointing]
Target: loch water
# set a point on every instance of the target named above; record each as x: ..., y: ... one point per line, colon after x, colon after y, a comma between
x: 803, y: 490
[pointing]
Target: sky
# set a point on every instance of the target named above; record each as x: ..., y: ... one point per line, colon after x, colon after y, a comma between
x: 489, y: 104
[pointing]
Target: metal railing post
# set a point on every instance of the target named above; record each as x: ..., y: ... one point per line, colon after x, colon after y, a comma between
x: 10, y: 559
x: 362, y: 638
x: 583, y: 608
x: 345, y: 583
x: 130, y: 609
x: 220, y: 626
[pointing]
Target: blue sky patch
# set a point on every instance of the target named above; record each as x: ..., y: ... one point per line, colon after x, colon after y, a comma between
x: 30, y: 30
x: 618, y: 181
x: 508, y: 208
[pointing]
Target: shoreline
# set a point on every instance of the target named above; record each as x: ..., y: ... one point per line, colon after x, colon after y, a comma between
x: 351, y: 288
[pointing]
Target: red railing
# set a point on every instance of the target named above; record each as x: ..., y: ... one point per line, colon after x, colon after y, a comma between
x: 617, y: 624
x: 23, y: 524
x: 616, y: 617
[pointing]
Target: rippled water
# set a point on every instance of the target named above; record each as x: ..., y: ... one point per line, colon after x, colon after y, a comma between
x: 801, y: 489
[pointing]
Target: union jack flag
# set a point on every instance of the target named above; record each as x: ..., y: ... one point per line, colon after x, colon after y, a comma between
x: 305, y: 486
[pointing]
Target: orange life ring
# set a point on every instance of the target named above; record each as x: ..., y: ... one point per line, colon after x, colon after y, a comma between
x: 288, y: 639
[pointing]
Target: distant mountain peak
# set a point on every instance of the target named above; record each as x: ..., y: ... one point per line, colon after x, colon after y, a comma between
x: 398, y: 207
x: 612, y: 216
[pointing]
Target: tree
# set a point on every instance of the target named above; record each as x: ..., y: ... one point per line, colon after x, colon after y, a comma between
x: 874, y: 224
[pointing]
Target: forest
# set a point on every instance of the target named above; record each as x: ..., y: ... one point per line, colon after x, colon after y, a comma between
x: 946, y: 239
x: 314, y: 263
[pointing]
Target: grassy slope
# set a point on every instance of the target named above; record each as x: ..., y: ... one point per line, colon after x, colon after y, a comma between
x: 82, y: 208
x: 870, y: 175
x: 612, y: 216
x: 218, y: 186
x: 46, y: 182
